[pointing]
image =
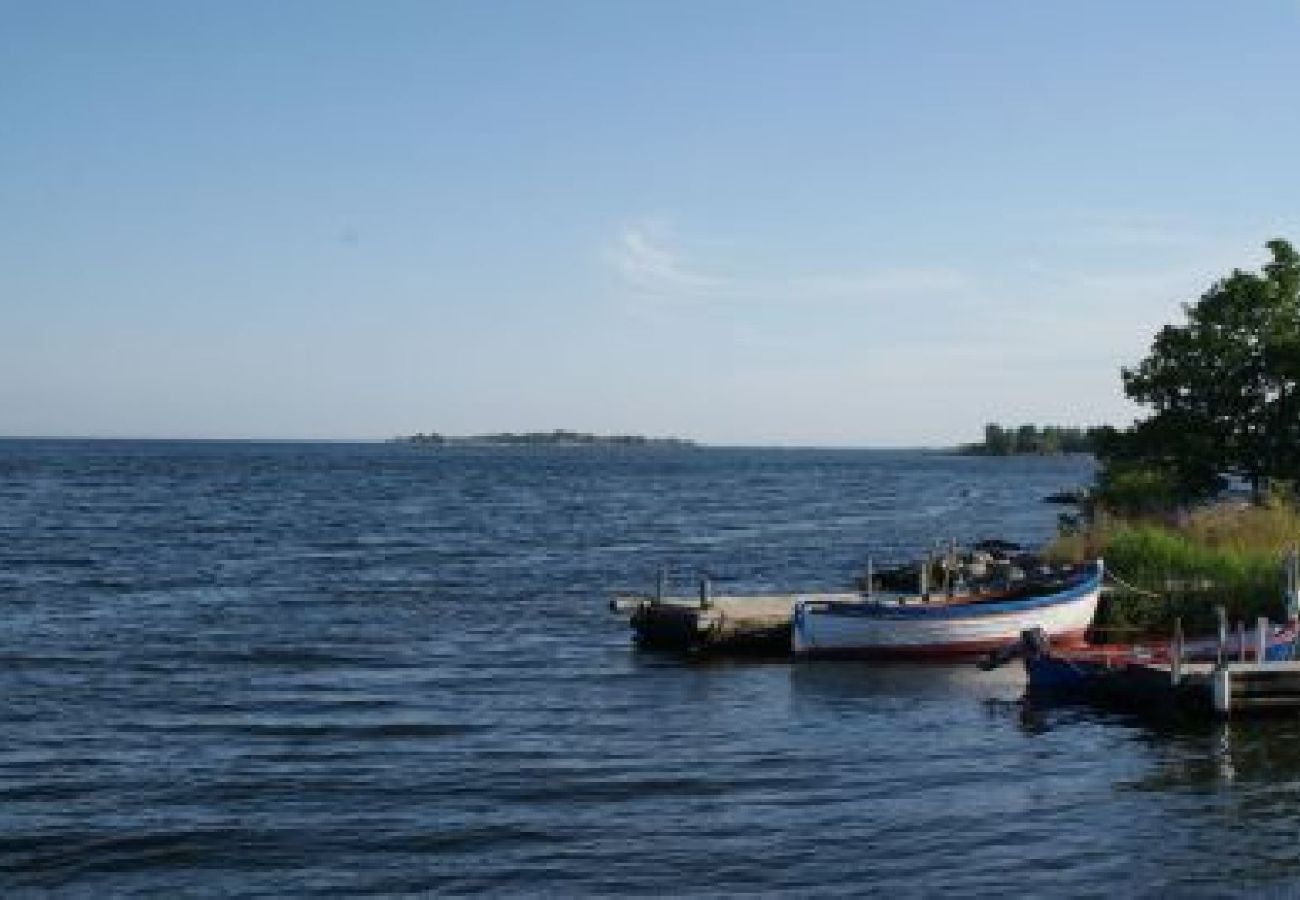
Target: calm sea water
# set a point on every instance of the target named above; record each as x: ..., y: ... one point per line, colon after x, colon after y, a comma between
x: 277, y: 669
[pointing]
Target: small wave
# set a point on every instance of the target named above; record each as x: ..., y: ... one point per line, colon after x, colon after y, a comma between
x: 58, y: 858
x: 334, y: 731
x: 277, y: 656
x: 468, y: 837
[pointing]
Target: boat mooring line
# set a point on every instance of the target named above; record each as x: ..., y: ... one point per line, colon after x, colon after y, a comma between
x: 1110, y: 573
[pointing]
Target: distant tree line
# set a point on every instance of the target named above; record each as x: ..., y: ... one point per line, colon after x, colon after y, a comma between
x: 559, y: 436
x: 1032, y: 439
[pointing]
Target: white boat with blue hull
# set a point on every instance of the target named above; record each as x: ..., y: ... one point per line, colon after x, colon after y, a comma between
x: 1061, y: 602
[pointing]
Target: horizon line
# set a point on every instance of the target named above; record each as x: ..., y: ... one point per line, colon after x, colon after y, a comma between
x: 691, y: 444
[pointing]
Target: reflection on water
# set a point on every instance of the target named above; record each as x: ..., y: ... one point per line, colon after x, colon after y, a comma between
x: 1216, y: 753
x: 1212, y: 804
x: 903, y: 681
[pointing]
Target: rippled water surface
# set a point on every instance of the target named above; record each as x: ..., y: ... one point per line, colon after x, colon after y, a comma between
x: 276, y: 669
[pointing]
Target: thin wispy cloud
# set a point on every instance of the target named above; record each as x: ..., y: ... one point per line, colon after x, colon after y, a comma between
x: 1138, y: 231
x: 647, y: 260
x: 1083, y: 300
x: 1186, y: 267
x: 650, y: 261
x: 1111, y: 305
x: 899, y: 282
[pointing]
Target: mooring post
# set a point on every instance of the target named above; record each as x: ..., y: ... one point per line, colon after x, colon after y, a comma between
x: 661, y: 584
x: 1222, y: 690
x: 706, y: 592
x: 1176, y: 653
x: 1293, y: 584
x: 925, y: 577
x: 1241, y: 642
x: 1293, y: 595
x: 1261, y: 639
x: 1223, y: 631
x: 950, y: 568
x: 871, y: 577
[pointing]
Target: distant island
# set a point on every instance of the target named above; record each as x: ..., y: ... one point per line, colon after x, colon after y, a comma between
x: 559, y: 437
x: 1031, y: 440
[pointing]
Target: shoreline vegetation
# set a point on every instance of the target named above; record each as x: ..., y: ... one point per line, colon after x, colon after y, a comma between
x: 1183, y: 564
x: 557, y: 438
x: 1197, y: 505
x: 1033, y: 440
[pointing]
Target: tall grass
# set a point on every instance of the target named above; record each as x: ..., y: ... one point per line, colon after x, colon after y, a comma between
x: 1229, y: 554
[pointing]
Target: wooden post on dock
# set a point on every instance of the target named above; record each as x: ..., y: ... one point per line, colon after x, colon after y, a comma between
x: 1241, y: 642
x: 871, y: 577
x: 1261, y: 639
x: 661, y: 584
x: 1293, y: 584
x: 950, y: 569
x: 1176, y: 653
x: 1223, y: 631
x: 706, y: 591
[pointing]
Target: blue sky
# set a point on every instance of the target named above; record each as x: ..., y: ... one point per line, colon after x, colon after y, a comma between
x: 862, y: 224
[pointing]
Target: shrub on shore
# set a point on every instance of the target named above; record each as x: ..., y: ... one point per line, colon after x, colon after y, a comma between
x: 1182, y: 567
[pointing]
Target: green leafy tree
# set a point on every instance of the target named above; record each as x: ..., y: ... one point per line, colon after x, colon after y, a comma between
x: 1223, y: 387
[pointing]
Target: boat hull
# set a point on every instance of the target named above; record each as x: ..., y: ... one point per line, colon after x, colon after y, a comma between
x: 942, y: 631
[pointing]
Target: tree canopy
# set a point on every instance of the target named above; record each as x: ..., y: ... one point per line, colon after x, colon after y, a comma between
x: 1223, y: 388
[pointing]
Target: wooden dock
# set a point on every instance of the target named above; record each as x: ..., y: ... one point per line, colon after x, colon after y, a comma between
x: 1228, y: 686
x: 1221, y: 689
x: 741, y: 625
x: 1237, y: 688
